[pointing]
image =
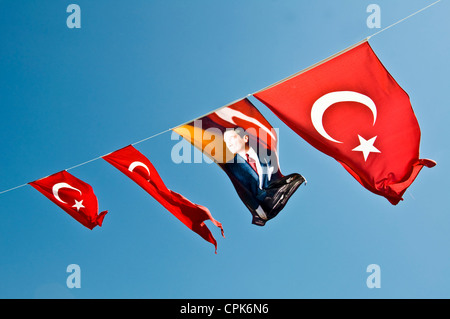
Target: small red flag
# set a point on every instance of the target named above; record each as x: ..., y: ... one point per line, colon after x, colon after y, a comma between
x: 350, y: 108
x: 136, y: 166
x: 73, y: 195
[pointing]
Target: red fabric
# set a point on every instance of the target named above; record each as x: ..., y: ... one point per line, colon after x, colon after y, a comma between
x: 252, y: 163
x: 73, y: 195
x: 136, y: 166
x: 389, y: 162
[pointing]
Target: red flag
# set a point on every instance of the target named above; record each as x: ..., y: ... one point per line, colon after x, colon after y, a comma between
x: 73, y: 195
x: 136, y: 166
x: 350, y: 108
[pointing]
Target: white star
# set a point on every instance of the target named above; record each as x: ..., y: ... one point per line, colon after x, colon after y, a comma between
x: 78, y: 205
x: 366, y: 147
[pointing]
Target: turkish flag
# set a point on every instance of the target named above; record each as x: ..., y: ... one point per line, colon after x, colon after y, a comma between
x: 73, y: 195
x: 350, y: 108
x: 136, y: 166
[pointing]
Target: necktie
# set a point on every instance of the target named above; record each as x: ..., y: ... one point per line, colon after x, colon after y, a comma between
x: 252, y: 163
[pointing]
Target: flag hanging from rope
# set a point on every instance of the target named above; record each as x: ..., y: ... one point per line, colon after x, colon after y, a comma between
x: 350, y: 108
x: 138, y: 168
x: 74, y: 196
x: 244, y: 144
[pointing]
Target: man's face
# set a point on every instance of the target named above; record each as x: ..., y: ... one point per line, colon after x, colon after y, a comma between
x: 234, y: 142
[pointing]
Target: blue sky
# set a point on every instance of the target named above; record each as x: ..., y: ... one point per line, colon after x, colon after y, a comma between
x: 138, y: 68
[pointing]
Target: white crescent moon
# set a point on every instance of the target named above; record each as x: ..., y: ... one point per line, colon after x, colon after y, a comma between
x: 136, y: 164
x: 58, y: 186
x: 324, y: 102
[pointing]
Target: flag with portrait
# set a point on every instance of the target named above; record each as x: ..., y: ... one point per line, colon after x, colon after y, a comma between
x: 244, y: 144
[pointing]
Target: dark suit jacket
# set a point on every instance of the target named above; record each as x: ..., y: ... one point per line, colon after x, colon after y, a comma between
x: 246, y: 180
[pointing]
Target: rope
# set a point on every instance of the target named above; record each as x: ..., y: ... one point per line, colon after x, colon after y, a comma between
x: 399, y: 21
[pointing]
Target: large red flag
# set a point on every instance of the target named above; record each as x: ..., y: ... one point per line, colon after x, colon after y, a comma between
x: 136, y: 166
x: 73, y: 195
x: 350, y: 108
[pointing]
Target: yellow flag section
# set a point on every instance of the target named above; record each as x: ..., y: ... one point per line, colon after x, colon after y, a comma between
x: 210, y: 143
